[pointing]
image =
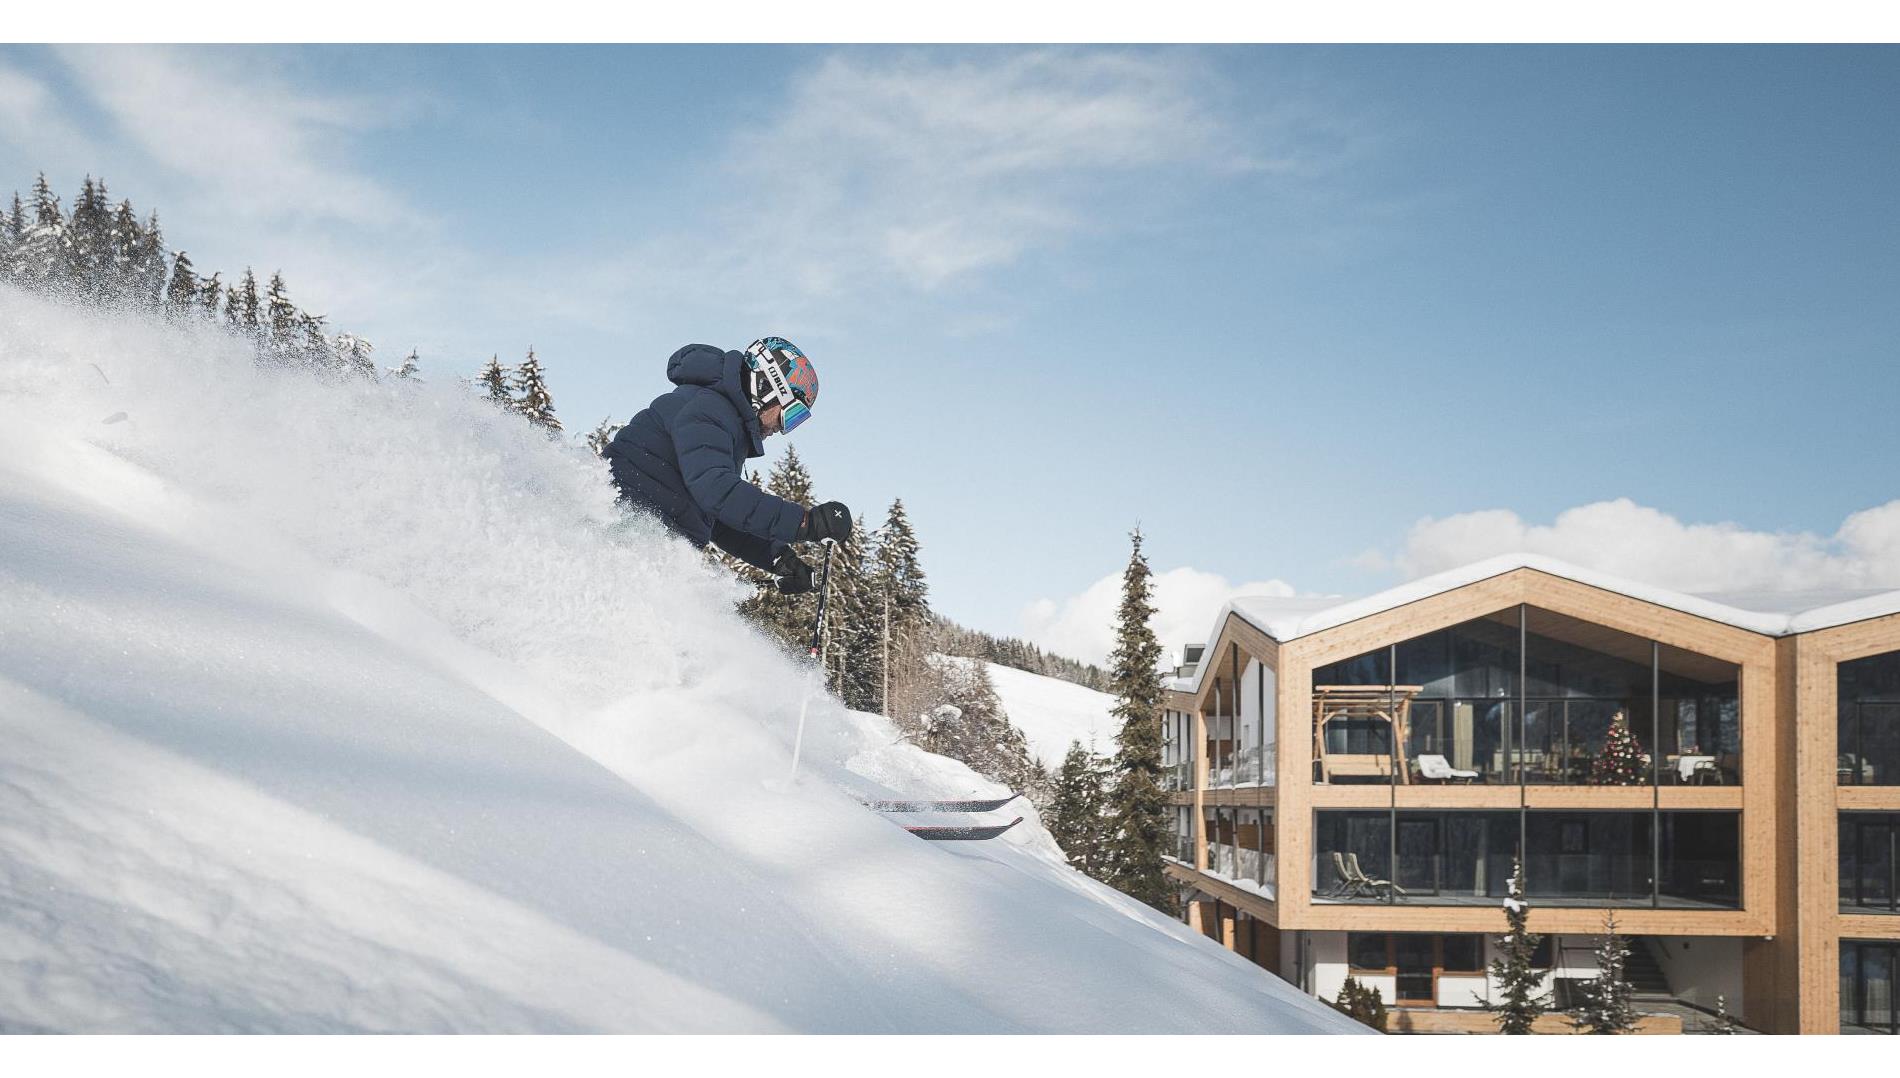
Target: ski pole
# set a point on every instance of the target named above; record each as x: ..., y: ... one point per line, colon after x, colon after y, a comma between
x: 817, y: 654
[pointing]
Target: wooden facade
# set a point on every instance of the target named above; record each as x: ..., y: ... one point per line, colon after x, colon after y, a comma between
x: 1787, y: 799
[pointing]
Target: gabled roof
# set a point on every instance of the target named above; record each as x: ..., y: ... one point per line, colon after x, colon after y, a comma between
x: 1768, y: 613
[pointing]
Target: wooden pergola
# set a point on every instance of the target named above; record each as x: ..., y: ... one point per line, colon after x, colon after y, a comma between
x: 1391, y: 704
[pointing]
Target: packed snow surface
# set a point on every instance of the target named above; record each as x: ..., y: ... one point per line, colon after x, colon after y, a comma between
x: 351, y: 706
x: 1052, y: 713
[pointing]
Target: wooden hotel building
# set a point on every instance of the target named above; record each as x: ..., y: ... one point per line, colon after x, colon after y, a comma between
x: 1353, y: 781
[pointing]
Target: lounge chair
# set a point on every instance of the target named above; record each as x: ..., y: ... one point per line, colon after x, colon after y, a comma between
x: 1439, y: 769
x: 1342, y: 881
x: 1362, y: 884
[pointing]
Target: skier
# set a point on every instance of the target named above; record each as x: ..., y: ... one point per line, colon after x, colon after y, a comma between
x: 681, y: 456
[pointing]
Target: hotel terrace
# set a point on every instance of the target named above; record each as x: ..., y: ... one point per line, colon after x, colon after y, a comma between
x: 1352, y: 781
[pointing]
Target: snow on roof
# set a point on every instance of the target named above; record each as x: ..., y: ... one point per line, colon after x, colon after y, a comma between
x: 1768, y: 613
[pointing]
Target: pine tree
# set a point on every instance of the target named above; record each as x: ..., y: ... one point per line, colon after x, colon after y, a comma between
x: 44, y: 254
x: 854, y: 619
x: 598, y: 438
x: 181, y: 292
x: 969, y: 724
x: 124, y: 253
x: 353, y: 355
x: 1518, y: 981
x: 12, y: 240
x: 284, y: 336
x: 243, y: 305
x: 496, y: 382
x: 1138, y: 807
x: 533, y: 399
x: 313, y: 346
x: 91, y: 239
x: 209, y: 293
x: 1622, y: 761
x: 787, y: 617
x: 1605, y: 1005
x: 898, y: 591
x: 1076, y: 808
x: 411, y: 368
x: 149, y: 268
x: 1362, y: 1003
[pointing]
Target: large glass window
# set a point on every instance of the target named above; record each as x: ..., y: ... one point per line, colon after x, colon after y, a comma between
x: 1414, y: 959
x: 1595, y: 706
x: 1870, y: 861
x: 1257, y: 735
x: 1700, y: 858
x: 1869, y: 721
x: 1571, y: 859
x: 1588, y: 703
x: 1868, y: 1003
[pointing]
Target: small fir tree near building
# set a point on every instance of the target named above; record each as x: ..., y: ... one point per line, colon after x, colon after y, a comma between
x: 1605, y: 1005
x: 1519, y: 984
x: 1724, y: 1023
x: 1622, y: 761
x: 1362, y: 1003
x: 1076, y: 806
x: 1138, y: 808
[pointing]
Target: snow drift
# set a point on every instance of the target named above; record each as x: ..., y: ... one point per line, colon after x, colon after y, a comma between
x: 350, y: 706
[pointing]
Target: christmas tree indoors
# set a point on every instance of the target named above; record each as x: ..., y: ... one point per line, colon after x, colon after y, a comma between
x: 1622, y: 762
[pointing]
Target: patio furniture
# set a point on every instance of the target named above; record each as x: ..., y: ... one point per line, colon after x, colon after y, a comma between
x: 1390, y: 705
x: 1368, y: 885
x: 1438, y: 769
x: 1696, y: 769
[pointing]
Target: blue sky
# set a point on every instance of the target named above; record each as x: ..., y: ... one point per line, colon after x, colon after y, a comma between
x: 1317, y: 318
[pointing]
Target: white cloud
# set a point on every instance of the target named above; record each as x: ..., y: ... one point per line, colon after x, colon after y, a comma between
x: 260, y: 146
x: 921, y: 172
x: 1647, y: 544
x: 1083, y: 626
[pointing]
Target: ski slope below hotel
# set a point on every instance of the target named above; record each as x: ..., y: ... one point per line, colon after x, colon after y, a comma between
x: 357, y: 707
x: 1052, y: 713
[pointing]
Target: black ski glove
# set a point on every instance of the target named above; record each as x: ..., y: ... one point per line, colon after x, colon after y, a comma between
x: 829, y: 520
x: 794, y: 576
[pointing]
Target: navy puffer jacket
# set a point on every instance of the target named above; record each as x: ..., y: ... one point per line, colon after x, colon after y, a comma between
x: 682, y: 456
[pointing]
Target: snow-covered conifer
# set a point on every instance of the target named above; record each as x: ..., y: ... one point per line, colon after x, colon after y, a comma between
x: 1605, y: 1005
x: 1076, y: 809
x: 283, y: 336
x: 1138, y: 807
x: 243, y: 305
x: 495, y: 381
x: 210, y: 291
x: 598, y: 438
x: 1514, y: 976
x: 411, y: 369
x: 181, y: 291
x: 351, y: 354
x: 531, y: 395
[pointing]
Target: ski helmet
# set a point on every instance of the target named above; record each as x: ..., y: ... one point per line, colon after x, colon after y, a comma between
x: 778, y: 373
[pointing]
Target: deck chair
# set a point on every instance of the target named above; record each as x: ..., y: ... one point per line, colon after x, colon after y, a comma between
x: 1342, y: 882
x: 1367, y: 885
x: 1439, y: 769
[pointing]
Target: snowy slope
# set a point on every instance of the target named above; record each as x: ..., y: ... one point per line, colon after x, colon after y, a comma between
x: 357, y: 707
x: 1051, y: 713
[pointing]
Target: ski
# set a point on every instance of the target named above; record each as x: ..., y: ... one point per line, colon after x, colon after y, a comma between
x: 990, y: 805
x: 948, y: 834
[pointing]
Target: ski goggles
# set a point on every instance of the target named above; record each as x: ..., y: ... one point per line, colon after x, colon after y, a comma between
x: 790, y: 398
